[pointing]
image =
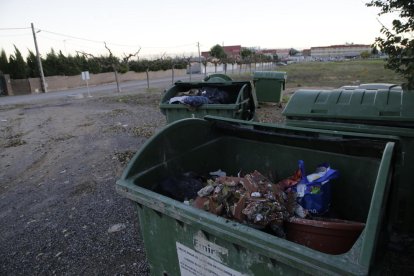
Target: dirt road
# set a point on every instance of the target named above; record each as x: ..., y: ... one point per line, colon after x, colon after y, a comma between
x: 59, y: 160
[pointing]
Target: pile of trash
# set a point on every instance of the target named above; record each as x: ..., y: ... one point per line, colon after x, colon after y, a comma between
x: 197, y: 97
x: 253, y: 199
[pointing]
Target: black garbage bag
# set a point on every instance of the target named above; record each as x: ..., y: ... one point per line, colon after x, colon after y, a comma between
x: 215, y: 95
x: 181, y: 187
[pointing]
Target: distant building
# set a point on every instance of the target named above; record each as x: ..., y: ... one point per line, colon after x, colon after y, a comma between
x: 282, y: 53
x: 268, y: 52
x: 339, y: 51
x: 231, y: 51
x: 306, y: 52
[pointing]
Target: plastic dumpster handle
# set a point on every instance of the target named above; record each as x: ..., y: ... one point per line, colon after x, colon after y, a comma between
x: 371, y: 231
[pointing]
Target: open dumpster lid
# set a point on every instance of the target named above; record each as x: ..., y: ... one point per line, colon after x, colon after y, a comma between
x: 388, y: 107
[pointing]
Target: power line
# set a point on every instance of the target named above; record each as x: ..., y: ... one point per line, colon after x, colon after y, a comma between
x: 110, y: 43
x: 177, y: 46
x: 13, y: 35
x: 7, y: 29
x: 49, y: 38
x: 40, y: 31
x: 86, y: 39
x: 96, y: 41
x: 83, y: 46
x: 71, y: 36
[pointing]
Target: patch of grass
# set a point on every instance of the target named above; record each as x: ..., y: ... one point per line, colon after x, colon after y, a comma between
x: 143, y: 131
x: 62, y: 137
x: 119, y: 99
x: 6, y: 130
x: 334, y: 74
x: 86, y: 124
x: 124, y: 157
x: 151, y: 98
x: 339, y: 73
x: 118, y: 112
x: 84, y: 188
x: 14, y: 142
x: 9, y: 138
x: 11, y: 107
x: 15, y: 136
x: 115, y: 129
x: 285, y: 98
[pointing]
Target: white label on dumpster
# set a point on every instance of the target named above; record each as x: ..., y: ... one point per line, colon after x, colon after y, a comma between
x: 193, y: 263
x: 210, y: 249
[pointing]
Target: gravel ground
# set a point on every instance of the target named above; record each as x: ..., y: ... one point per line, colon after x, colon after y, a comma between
x: 59, y: 212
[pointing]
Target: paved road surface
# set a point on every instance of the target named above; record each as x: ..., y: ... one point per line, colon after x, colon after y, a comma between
x: 126, y: 87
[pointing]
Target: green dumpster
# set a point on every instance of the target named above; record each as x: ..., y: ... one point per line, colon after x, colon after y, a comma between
x: 373, y: 109
x: 240, y: 103
x: 217, y: 78
x: 182, y: 240
x: 269, y: 85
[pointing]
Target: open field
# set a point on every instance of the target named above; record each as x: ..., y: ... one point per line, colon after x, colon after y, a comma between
x: 336, y: 74
x: 339, y: 73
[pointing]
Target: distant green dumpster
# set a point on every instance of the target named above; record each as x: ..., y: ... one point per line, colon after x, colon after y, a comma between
x: 217, y: 78
x: 269, y: 85
x: 216, y: 97
x: 182, y: 240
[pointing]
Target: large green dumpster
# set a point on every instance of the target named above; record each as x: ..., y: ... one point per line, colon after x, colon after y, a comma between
x: 375, y: 109
x: 240, y: 104
x: 181, y: 239
x: 269, y: 85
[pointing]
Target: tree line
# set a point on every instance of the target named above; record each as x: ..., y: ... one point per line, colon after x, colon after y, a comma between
x: 58, y: 64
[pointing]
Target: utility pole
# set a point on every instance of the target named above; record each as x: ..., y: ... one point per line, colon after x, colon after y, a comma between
x: 199, y: 57
x: 39, y: 62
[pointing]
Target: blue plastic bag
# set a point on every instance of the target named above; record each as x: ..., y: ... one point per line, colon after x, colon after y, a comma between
x: 314, y: 190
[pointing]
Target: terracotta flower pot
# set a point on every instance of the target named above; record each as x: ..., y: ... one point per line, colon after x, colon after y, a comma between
x: 332, y: 236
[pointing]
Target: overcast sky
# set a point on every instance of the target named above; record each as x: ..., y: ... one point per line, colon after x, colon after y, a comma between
x: 175, y: 27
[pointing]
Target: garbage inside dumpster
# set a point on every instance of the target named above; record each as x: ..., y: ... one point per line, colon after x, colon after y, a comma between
x: 253, y: 200
x: 256, y: 201
x: 198, y: 97
x: 314, y: 191
x: 181, y: 187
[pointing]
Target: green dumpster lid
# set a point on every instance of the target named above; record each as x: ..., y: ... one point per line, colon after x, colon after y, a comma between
x: 388, y: 86
x: 217, y: 78
x: 384, y: 106
x: 373, y: 86
x: 270, y: 75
